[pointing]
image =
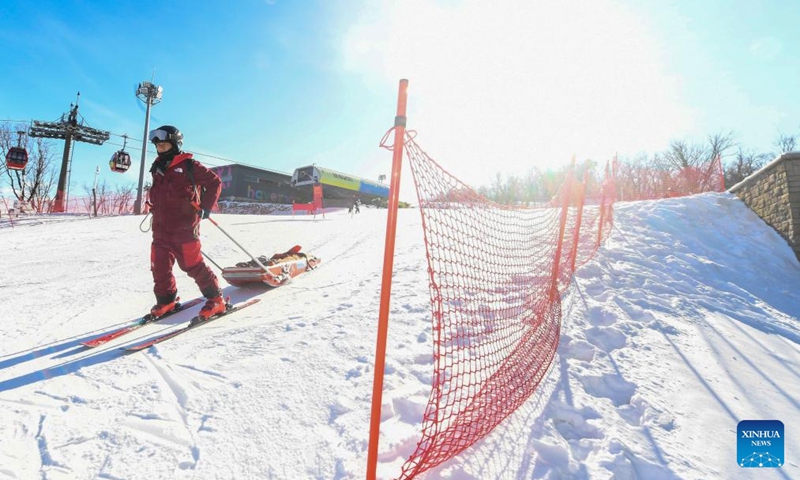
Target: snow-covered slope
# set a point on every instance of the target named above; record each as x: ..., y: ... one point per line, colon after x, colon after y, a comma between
x: 684, y: 323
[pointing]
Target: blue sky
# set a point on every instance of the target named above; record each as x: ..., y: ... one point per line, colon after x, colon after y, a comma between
x: 495, y: 86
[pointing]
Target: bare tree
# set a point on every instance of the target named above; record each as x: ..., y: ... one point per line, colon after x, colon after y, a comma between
x: 500, y: 191
x: 42, y: 173
x: 534, y: 189
x: 97, y: 198
x: 745, y: 164
x: 786, y: 143
x: 719, y: 144
x: 125, y: 199
x: 680, y: 155
x: 641, y: 177
x: 484, y: 191
x: 34, y: 183
x: 693, y: 167
x: 590, y: 172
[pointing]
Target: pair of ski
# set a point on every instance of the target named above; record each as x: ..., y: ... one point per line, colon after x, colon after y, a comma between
x: 194, y: 323
x: 148, y: 319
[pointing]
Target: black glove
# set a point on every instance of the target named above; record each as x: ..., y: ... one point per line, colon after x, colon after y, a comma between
x: 204, y: 213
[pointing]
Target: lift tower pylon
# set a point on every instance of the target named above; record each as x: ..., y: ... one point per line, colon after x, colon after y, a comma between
x: 70, y: 130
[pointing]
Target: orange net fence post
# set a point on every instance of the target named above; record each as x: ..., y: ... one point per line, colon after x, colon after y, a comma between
x: 386, y: 285
x: 566, y: 198
x: 580, y: 197
x: 719, y: 174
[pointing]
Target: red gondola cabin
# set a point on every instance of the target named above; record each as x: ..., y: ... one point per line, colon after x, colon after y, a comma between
x: 16, y: 158
x: 120, y: 162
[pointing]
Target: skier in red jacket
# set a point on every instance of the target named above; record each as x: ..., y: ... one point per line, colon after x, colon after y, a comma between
x: 180, y: 184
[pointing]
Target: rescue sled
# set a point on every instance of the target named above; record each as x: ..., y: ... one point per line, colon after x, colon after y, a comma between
x: 279, y: 268
x: 273, y: 271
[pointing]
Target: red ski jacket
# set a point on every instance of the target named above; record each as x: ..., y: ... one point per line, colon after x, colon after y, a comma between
x: 175, y: 219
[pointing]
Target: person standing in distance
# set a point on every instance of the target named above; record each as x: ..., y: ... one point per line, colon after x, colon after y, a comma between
x: 180, y: 184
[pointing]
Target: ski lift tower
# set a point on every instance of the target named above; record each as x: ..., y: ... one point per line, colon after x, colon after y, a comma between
x: 70, y: 130
x: 150, y: 94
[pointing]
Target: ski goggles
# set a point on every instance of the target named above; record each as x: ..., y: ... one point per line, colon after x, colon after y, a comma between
x: 158, y: 135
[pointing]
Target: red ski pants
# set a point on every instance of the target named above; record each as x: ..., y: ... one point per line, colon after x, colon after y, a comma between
x: 162, y: 258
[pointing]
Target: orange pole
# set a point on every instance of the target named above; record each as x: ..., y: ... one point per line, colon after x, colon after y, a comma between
x: 576, y: 233
x: 386, y: 285
x: 602, y: 207
x: 566, y: 196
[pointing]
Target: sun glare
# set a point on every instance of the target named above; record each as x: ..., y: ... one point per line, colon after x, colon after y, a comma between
x: 503, y: 86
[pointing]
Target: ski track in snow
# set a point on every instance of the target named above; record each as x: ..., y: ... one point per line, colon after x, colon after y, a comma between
x: 684, y: 323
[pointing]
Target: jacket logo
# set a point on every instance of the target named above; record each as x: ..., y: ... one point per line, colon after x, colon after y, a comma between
x: 179, y: 169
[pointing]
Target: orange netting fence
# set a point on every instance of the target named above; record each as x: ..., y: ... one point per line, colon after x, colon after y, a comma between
x: 496, y: 278
x: 107, y: 205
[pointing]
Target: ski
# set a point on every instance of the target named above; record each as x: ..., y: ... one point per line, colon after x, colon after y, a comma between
x: 196, y: 322
x: 96, y: 342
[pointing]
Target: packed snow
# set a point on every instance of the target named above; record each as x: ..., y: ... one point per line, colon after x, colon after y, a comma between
x: 684, y: 323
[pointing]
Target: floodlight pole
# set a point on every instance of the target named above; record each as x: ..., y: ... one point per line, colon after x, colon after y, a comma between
x: 150, y: 94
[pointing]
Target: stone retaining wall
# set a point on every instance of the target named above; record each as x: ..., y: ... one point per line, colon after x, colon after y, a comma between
x: 774, y: 194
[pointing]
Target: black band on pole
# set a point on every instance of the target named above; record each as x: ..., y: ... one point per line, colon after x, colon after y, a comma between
x: 400, y: 121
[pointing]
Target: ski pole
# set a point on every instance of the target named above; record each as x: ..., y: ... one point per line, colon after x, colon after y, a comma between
x: 237, y: 243
x: 212, y: 261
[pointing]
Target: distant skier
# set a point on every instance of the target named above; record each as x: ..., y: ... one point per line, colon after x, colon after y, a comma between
x: 356, y: 206
x: 180, y: 183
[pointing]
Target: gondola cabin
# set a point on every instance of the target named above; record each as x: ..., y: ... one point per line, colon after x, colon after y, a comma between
x: 120, y: 162
x: 16, y: 158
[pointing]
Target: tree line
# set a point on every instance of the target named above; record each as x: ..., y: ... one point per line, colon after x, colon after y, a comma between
x: 639, y: 176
